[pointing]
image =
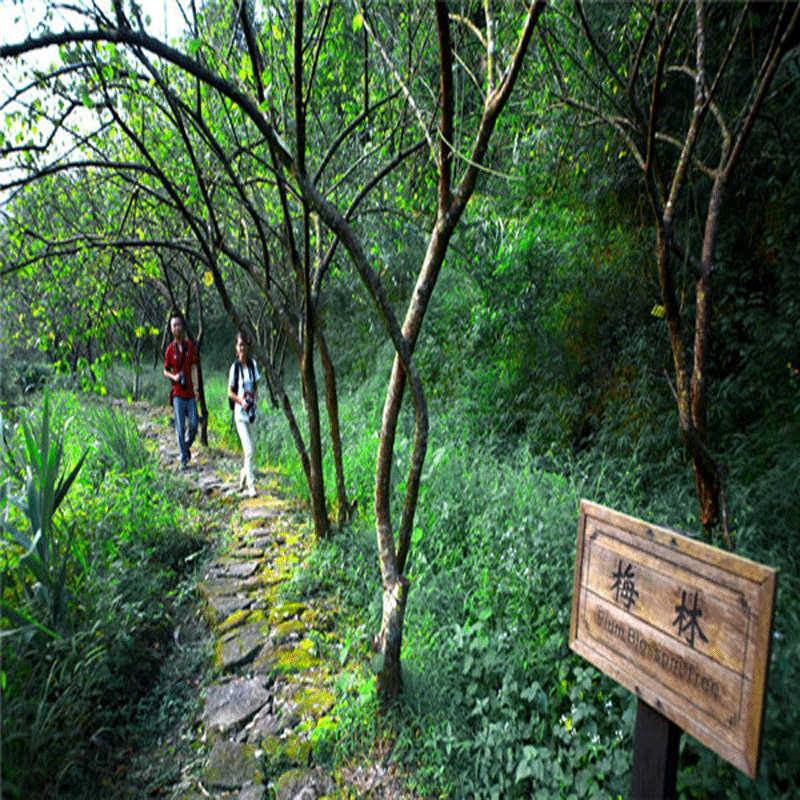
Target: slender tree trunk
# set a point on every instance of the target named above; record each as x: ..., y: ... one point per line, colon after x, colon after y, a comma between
x: 690, y: 389
x: 201, y: 402
x: 201, y: 388
x: 707, y: 473
x: 390, y: 677
x: 317, y: 483
x: 319, y: 509
x: 332, y: 400
x: 451, y: 202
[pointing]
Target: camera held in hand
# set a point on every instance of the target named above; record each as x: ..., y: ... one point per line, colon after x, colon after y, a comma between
x: 250, y: 409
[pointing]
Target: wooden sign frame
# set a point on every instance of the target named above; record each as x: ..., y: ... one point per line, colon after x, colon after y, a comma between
x: 683, y: 625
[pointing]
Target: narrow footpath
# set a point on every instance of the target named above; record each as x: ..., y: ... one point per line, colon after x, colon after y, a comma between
x: 270, y: 682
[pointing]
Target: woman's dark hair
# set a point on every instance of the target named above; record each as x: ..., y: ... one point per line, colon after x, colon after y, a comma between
x: 244, y: 337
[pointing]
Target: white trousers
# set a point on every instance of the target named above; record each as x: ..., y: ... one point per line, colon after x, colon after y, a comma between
x: 244, y: 429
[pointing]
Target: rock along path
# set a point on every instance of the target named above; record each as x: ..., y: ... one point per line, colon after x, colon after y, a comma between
x: 269, y: 684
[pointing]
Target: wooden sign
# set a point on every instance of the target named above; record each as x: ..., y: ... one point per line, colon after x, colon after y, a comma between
x: 685, y: 626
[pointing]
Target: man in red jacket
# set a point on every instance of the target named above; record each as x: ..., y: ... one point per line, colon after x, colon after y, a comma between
x: 180, y: 367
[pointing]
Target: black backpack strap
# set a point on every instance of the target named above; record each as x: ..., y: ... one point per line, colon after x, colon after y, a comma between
x: 184, y: 349
x: 236, y: 367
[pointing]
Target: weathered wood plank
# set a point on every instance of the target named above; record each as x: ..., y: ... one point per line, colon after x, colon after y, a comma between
x: 683, y: 625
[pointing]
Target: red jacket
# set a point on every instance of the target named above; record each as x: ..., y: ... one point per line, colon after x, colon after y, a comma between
x: 181, y: 360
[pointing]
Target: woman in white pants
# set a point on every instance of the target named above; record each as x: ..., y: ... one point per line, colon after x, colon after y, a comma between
x: 242, y: 396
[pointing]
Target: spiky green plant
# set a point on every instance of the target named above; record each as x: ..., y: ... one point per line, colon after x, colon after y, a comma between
x: 35, y: 556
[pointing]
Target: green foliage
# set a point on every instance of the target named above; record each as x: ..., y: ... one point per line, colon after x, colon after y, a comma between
x: 495, y: 703
x: 36, y: 557
x: 120, y: 551
x: 486, y: 637
x: 118, y: 446
x: 546, y: 330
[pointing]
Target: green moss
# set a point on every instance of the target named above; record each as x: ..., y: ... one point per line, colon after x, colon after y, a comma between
x: 292, y: 749
x: 245, y: 527
x: 295, y: 659
x: 287, y: 628
x: 297, y: 750
x: 307, y: 644
x: 281, y: 569
x: 313, y: 702
x: 234, y: 620
x: 283, y: 611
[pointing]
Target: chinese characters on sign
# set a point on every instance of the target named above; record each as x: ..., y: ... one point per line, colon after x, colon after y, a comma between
x: 624, y: 588
x: 624, y: 585
x: 687, y: 620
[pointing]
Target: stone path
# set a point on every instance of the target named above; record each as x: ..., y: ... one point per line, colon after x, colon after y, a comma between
x: 271, y: 682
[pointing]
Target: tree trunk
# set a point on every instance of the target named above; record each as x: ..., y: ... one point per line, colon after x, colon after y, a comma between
x: 450, y: 207
x: 332, y: 400
x: 689, y: 391
x: 316, y: 487
x: 202, y: 423
x: 390, y: 675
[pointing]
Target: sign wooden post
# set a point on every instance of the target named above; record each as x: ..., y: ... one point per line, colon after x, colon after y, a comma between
x: 655, y: 755
x: 684, y: 626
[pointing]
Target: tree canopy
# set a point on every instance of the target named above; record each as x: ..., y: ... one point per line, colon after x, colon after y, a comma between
x: 292, y: 155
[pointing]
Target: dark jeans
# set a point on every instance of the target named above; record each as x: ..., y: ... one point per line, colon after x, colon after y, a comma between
x: 185, y: 425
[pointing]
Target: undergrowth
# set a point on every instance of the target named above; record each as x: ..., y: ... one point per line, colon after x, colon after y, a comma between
x: 495, y: 704
x: 116, y: 557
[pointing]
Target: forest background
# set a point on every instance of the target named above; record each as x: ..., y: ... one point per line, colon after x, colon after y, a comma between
x: 607, y: 314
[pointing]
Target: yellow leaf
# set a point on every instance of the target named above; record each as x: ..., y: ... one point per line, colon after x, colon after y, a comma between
x: 208, y: 278
x: 659, y: 311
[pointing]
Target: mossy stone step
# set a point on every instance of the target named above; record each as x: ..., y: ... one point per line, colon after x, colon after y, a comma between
x: 240, y: 645
x: 232, y: 765
x: 232, y: 704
